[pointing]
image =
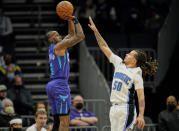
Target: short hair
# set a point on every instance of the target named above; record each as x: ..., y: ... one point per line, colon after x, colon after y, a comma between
x: 40, y: 112
x: 40, y: 102
x: 6, y: 100
x: 49, y: 34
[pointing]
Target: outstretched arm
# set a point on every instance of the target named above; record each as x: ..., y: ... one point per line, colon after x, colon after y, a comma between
x: 101, y: 42
x: 141, y: 99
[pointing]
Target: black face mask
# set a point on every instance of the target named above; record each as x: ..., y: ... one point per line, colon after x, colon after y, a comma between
x: 1, y: 98
x: 18, y: 87
x: 79, y: 106
x: 170, y: 107
x: 17, y: 129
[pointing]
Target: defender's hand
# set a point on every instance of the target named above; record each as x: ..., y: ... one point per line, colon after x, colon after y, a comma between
x: 92, y: 25
x: 140, y: 122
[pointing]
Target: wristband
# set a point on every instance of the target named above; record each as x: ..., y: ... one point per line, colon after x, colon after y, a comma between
x: 75, y: 20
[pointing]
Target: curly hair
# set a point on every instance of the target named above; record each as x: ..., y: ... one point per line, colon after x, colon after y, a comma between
x: 148, y: 67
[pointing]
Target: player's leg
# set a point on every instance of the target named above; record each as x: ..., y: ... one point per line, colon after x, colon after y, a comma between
x: 117, y: 118
x: 51, y: 98
x: 63, y: 104
x: 113, y: 119
x: 64, y: 123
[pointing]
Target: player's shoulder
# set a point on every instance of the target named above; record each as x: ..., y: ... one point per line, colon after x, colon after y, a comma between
x: 115, y: 59
x: 136, y: 71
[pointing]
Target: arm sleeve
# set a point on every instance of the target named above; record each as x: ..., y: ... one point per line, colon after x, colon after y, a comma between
x: 115, y: 60
x: 138, y: 82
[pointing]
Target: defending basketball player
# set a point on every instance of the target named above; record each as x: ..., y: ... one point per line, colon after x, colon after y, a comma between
x: 58, y: 90
x: 126, y: 80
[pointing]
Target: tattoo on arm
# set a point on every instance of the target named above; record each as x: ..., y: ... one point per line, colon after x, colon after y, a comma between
x: 100, y: 40
x: 72, y: 40
x: 71, y: 27
x: 79, y: 35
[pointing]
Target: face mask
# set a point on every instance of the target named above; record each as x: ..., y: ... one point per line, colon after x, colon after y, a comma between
x: 79, y: 106
x: 170, y: 107
x: 10, y: 75
x: 18, y: 87
x: 17, y: 129
x: 1, y: 97
x: 9, y: 110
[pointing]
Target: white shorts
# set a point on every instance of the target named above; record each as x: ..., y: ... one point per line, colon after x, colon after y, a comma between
x: 122, y: 118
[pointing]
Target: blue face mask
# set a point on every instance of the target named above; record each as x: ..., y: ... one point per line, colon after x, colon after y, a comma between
x: 10, y: 75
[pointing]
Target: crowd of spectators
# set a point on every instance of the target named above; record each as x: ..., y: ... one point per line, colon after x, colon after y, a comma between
x: 126, y: 16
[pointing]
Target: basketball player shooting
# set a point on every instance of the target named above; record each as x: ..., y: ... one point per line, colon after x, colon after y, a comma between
x: 58, y: 90
x: 127, y: 78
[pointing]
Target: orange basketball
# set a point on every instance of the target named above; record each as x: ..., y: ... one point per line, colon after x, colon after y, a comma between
x: 64, y: 8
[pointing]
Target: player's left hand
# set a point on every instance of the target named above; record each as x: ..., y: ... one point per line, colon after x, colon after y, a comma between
x: 140, y: 122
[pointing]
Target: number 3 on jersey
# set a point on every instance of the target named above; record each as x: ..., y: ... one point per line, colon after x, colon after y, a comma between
x: 117, y: 85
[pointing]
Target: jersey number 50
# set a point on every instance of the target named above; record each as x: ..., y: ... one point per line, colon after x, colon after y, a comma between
x: 117, y: 85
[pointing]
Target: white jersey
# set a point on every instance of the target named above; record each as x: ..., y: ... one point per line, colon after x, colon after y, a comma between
x: 125, y: 82
x: 33, y: 128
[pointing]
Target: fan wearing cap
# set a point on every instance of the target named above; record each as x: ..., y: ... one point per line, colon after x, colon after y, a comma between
x: 16, y: 124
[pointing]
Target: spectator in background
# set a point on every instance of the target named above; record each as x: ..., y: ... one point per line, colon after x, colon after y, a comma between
x: 103, y: 17
x: 154, y: 22
x: 9, y: 77
x: 40, y: 121
x: 177, y: 106
x: 84, y: 11
x: 9, y: 61
x: 168, y: 119
x: 134, y: 23
x: 3, y: 94
x: 7, y: 112
x: 79, y: 116
x: 29, y: 121
x: 40, y: 105
x: 6, y: 33
x: 22, y: 97
x: 2, y: 63
x: 15, y: 124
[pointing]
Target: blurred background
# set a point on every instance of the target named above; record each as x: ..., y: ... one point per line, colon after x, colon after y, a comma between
x: 151, y: 25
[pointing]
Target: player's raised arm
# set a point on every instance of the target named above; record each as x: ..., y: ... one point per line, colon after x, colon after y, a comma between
x: 72, y: 40
x: 101, y: 42
x: 71, y: 29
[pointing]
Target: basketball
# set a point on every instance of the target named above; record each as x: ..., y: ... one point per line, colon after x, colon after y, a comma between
x: 63, y: 9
